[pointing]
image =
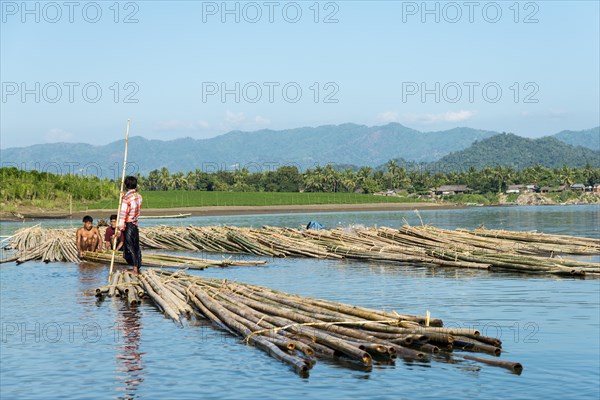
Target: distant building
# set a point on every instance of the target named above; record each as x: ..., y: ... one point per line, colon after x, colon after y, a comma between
x: 386, y: 193
x: 596, y: 188
x: 516, y: 189
x: 531, y: 188
x: 451, y: 189
x: 578, y: 187
x: 549, y: 189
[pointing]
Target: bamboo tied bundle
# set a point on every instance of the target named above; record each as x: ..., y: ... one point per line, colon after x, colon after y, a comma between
x: 299, y: 330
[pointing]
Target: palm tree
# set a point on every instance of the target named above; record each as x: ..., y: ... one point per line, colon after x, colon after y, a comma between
x: 365, y: 180
x: 472, y: 177
x: 348, y: 180
x: 164, y: 179
x: 152, y: 182
x: 530, y: 175
x: 364, y: 173
x: 392, y: 170
x: 503, y: 176
x: 590, y: 174
x: 190, y: 178
x: 566, y: 174
x: 331, y: 178
x: 178, y: 181
x: 314, y: 180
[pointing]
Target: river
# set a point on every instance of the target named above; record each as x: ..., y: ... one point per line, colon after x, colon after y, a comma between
x: 57, y: 342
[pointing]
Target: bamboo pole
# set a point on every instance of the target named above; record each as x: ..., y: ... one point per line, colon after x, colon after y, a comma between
x: 515, y: 367
x: 465, y: 343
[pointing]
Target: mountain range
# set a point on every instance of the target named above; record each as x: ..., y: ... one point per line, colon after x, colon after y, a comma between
x: 347, y: 144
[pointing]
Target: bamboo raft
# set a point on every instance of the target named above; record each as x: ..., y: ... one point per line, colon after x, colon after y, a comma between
x: 494, y: 250
x: 171, y: 261
x: 299, y: 330
x: 50, y: 245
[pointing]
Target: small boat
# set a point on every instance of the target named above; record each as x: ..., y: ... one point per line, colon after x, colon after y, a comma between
x: 474, y: 204
x: 42, y: 215
x: 165, y: 216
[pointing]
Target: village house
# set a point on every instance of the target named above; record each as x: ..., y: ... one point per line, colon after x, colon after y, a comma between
x: 515, y: 189
x: 451, y: 189
x: 549, y: 189
x: 387, y: 193
x: 531, y: 188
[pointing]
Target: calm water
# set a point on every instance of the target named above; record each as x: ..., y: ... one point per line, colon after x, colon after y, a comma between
x: 57, y: 342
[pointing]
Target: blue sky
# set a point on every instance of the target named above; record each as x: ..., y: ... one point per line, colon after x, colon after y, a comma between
x: 531, y: 68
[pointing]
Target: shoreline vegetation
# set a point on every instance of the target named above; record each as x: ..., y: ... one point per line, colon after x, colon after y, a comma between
x: 33, y: 194
x: 165, y: 203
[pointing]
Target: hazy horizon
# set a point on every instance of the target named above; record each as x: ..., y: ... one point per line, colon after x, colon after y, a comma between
x: 277, y: 130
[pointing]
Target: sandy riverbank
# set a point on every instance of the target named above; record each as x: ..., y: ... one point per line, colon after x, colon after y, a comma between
x: 233, y: 210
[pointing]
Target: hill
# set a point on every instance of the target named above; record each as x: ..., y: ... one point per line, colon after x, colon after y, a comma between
x: 589, y: 138
x: 518, y: 152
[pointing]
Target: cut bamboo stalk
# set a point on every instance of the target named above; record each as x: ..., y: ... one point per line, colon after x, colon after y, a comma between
x: 465, y: 343
x: 113, y: 284
x: 515, y: 367
x: 166, y: 307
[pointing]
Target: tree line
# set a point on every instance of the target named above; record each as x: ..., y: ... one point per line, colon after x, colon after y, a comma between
x: 31, y: 185
x: 412, y: 179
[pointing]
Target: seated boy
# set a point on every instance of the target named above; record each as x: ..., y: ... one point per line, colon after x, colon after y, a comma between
x: 88, y: 237
x: 109, y: 236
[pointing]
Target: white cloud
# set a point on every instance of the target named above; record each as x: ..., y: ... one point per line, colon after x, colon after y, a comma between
x: 234, y: 118
x: 58, y: 135
x: 202, y: 124
x: 388, y: 116
x: 449, y: 116
x: 262, y: 120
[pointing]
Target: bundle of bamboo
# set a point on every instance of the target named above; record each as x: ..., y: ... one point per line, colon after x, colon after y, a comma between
x: 125, y: 285
x: 48, y: 245
x: 424, y: 246
x: 299, y: 330
x: 172, y: 261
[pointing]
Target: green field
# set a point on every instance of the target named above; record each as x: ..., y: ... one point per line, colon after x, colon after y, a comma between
x: 180, y: 198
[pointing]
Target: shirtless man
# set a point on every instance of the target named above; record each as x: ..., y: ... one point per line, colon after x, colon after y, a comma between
x: 88, y: 237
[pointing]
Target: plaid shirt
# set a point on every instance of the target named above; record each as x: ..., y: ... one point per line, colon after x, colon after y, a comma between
x: 130, y: 208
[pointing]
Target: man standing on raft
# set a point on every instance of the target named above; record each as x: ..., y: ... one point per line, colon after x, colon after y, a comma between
x: 128, y: 224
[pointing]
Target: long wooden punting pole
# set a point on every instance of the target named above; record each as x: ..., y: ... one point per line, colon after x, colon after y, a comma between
x: 114, y: 243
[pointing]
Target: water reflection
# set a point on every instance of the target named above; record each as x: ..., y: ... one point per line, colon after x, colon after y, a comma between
x: 89, y: 278
x: 129, y: 356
